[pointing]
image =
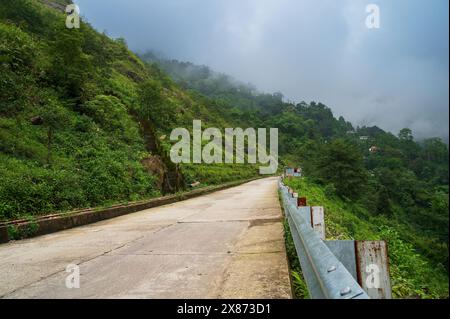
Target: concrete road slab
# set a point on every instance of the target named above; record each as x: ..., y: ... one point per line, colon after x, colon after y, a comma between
x: 189, y: 238
x: 137, y: 276
x: 256, y: 276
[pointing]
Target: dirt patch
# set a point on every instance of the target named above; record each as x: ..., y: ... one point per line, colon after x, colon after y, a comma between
x: 155, y: 166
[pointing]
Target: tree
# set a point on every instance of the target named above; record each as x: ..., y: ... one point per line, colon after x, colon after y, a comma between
x: 54, y: 117
x: 71, y: 67
x: 405, y: 134
x: 17, y: 67
x: 435, y: 150
x: 341, y: 164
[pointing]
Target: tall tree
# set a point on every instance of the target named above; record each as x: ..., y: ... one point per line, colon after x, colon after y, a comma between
x: 341, y: 164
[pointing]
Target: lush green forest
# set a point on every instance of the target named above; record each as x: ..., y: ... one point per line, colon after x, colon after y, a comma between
x: 84, y: 122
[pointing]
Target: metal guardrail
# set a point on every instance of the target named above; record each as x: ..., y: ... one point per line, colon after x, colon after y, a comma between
x: 326, y: 277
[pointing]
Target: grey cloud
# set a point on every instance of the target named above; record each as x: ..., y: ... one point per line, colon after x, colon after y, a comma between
x: 393, y: 77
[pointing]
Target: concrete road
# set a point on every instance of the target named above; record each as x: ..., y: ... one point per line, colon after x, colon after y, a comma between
x: 228, y: 244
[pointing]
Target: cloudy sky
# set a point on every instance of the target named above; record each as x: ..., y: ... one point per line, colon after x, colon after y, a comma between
x: 312, y: 50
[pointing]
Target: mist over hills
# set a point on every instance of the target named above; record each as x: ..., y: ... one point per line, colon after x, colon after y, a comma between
x: 392, y: 77
x: 203, y: 79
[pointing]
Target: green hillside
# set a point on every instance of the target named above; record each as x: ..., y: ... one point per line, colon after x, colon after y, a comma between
x: 85, y: 122
x: 82, y: 119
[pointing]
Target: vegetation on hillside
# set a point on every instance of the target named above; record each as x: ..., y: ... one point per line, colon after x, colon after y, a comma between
x: 81, y: 115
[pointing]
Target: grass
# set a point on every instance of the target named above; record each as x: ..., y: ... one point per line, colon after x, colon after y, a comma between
x: 300, y: 289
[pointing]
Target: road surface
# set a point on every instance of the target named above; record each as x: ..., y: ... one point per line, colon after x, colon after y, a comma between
x: 227, y: 244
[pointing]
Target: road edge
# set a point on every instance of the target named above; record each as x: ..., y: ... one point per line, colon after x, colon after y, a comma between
x: 47, y: 224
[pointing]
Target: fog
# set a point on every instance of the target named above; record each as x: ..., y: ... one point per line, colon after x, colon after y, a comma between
x: 312, y: 50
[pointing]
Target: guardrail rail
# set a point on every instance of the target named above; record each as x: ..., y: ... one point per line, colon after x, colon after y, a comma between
x: 326, y: 277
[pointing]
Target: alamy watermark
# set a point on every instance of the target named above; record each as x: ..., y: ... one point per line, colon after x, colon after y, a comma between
x: 73, y: 16
x: 373, y: 279
x: 373, y: 19
x: 73, y: 279
x: 221, y: 148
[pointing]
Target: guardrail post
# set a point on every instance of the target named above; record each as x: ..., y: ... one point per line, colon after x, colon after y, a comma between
x: 301, y: 202
x: 372, y: 265
x: 3, y: 235
x: 318, y: 220
x: 368, y: 263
